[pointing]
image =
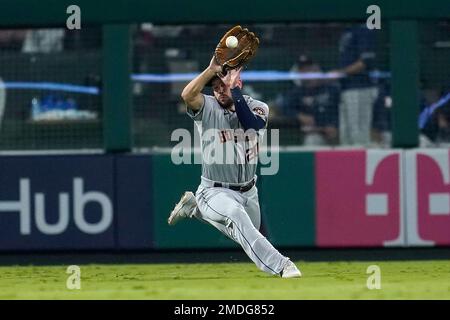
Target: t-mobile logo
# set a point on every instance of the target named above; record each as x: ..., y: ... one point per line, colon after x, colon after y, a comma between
x: 359, y: 198
x: 383, y: 197
x: 80, y: 200
x: 377, y: 204
x: 428, y: 196
x: 380, y: 194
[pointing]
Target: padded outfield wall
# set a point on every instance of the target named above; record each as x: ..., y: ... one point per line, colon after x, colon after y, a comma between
x: 353, y: 198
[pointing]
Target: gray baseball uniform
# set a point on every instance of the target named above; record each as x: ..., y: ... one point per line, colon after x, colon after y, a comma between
x: 230, y: 157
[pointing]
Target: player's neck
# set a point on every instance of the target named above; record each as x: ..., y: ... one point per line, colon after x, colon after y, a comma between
x: 230, y: 108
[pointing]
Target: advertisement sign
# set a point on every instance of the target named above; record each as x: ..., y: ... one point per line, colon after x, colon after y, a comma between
x: 56, y: 202
x: 358, y: 198
x: 428, y: 197
x: 134, y: 189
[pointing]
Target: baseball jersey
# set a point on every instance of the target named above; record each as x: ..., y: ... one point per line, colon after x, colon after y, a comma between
x: 228, y: 154
x: 355, y: 44
x: 320, y: 102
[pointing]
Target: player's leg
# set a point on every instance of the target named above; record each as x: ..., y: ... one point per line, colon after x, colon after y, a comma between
x: 251, y: 206
x: 223, y: 210
x: 314, y: 139
x: 344, y: 125
x: 366, y: 99
x: 253, y: 210
x: 353, y: 109
x: 185, y: 208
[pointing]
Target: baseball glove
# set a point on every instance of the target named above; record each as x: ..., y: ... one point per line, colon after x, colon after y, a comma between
x: 233, y: 58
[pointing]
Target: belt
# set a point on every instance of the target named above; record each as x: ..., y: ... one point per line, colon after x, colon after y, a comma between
x: 243, y: 188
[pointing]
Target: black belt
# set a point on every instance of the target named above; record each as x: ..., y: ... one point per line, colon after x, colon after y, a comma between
x: 243, y: 188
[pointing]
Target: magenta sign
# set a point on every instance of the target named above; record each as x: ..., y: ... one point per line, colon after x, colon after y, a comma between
x: 358, y: 198
x: 428, y: 197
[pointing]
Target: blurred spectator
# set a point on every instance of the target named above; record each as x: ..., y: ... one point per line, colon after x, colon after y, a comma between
x: 43, y: 41
x: 89, y: 37
x: 143, y: 38
x: 314, y: 103
x: 436, y: 126
x: 443, y: 124
x: 2, y: 101
x: 357, y: 56
x: 381, y: 118
x: 9, y: 40
x: 12, y: 40
x: 143, y: 41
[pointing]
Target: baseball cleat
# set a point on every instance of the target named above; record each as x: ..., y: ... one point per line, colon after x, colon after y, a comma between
x: 290, y: 271
x: 185, y: 208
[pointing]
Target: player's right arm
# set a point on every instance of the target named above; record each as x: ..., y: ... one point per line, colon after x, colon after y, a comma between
x: 192, y: 93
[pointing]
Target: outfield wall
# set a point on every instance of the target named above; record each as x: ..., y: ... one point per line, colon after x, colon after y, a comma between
x: 353, y: 198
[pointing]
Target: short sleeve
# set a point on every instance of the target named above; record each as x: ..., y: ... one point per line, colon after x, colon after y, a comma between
x: 205, y: 109
x: 366, y: 47
x: 259, y: 108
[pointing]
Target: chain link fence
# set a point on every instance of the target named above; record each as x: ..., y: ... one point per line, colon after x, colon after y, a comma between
x: 294, y: 72
x: 434, y: 119
x: 49, y: 89
x: 327, y: 84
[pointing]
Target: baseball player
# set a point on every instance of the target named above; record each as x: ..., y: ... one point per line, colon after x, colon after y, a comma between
x: 227, y: 197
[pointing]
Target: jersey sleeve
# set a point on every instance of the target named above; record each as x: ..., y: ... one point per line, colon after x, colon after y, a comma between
x: 366, y: 47
x: 204, y: 111
x: 259, y: 108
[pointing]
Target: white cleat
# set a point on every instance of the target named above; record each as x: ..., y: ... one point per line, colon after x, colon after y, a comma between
x: 290, y: 271
x: 185, y: 208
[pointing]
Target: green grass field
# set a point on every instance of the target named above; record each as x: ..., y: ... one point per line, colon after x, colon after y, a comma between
x: 324, y: 280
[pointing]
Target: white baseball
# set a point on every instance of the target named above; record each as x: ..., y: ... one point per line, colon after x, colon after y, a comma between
x: 231, y: 42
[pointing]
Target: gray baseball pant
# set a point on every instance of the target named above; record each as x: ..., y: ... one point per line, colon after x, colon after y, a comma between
x: 355, y: 116
x: 237, y: 215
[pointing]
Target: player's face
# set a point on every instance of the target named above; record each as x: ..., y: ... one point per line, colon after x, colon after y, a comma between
x: 222, y: 93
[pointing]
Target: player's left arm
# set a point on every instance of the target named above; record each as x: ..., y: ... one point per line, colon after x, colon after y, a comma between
x: 249, y: 118
x: 245, y: 113
x: 365, y: 48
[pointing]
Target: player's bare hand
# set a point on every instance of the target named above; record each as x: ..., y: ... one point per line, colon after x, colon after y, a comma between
x: 214, y: 66
x: 232, y: 78
x: 335, y: 74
